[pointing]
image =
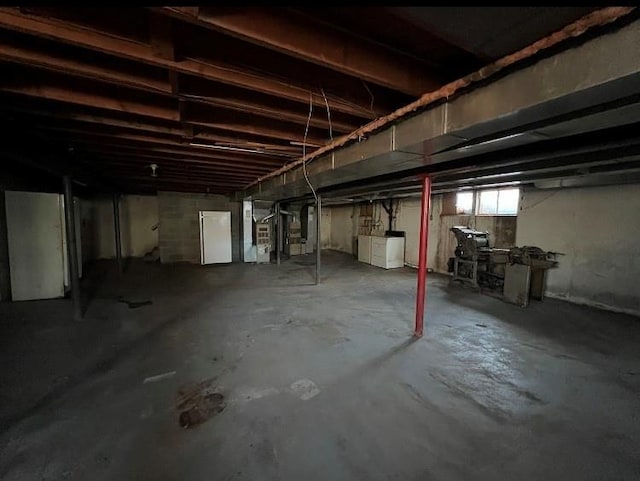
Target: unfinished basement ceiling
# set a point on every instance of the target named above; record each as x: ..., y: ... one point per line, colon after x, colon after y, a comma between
x: 217, y: 97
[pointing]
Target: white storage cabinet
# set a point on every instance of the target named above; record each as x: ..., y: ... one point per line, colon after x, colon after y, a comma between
x: 385, y: 252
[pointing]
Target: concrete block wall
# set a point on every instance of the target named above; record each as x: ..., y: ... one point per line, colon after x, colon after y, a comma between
x: 179, y: 231
x: 138, y: 217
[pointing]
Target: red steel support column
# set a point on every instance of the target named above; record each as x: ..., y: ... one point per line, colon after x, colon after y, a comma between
x: 422, y: 257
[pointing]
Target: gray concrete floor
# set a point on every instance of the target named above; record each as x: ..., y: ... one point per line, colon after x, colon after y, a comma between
x: 321, y: 382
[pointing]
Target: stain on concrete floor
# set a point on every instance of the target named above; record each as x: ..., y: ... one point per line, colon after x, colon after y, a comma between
x: 135, y: 304
x: 199, y: 402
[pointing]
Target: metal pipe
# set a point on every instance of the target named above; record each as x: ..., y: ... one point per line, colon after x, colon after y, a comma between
x: 389, y: 211
x: 278, y: 233
x: 116, y: 225
x: 72, y: 247
x: 318, y: 237
x: 422, y: 256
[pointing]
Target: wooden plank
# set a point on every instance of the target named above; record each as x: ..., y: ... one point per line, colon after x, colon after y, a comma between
x: 315, y: 43
x: 73, y: 34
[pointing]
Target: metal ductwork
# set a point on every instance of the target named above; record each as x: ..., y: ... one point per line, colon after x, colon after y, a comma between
x: 558, y: 97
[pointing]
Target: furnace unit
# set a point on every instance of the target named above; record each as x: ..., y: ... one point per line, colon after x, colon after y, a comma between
x: 263, y: 242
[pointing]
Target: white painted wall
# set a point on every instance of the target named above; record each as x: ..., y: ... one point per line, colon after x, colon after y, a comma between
x: 408, y: 220
x: 138, y: 215
x: 345, y: 222
x: 597, y: 229
x: 442, y: 243
x: 341, y: 237
x: 594, y: 226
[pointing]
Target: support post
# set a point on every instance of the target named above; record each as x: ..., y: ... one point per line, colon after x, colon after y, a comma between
x: 72, y: 249
x: 422, y: 257
x: 116, y: 227
x: 5, y: 276
x: 278, y: 233
x: 318, y: 237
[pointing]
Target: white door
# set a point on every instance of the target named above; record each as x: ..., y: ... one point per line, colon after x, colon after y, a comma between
x: 34, y: 229
x: 215, y: 237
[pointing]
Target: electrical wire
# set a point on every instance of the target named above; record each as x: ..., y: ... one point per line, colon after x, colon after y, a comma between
x: 304, y: 149
x: 328, y: 113
x: 371, y: 95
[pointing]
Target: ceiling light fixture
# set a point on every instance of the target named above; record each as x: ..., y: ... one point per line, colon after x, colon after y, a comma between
x: 225, y: 147
x: 241, y: 149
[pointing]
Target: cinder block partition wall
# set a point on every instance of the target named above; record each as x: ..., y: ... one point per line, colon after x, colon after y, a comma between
x: 138, y: 219
x: 179, y: 231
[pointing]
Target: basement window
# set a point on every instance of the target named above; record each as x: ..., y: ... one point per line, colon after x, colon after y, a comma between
x: 464, y: 203
x: 498, y: 202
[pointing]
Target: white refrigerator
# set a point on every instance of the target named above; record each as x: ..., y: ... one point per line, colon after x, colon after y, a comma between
x: 37, y: 244
x: 215, y: 237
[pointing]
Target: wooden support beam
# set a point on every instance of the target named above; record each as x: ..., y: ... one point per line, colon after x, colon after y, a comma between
x: 219, y: 183
x: 255, y: 106
x: 270, y: 110
x: 94, y: 119
x: 191, y: 11
x: 110, y: 143
x: 60, y: 93
x: 312, y: 42
x: 161, y: 37
x: 123, y: 168
x: 53, y: 61
x: 188, y: 131
x: 82, y: 36
x: 132, y: 174
x: 124, y: 173
x: 174, y: 81
x: 90, y: 99
x: 191, y: 148
x: 262, y: 130
x: 151, y: 188
x: 146, y: 159
x: 136, y: 124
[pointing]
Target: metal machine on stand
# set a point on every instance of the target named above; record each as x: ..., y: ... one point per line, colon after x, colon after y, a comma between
x: 516, y: 274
